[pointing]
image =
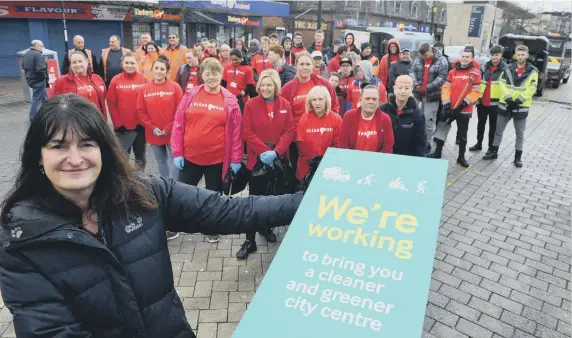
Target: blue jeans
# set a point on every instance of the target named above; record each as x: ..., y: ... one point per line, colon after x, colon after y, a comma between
x: 164, y: 156
x: 39, y: 96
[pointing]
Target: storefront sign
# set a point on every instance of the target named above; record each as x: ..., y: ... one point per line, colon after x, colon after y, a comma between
x: 476, y: 21
x: 343, y: 22
x: 425, y: 28
x: 389, y: 24
x: 45, y: 10
x: 236, y: 7
x: 358, y: 257
x: 311, y: 25
x: 167, y: 14
x: 235, y: 20
x: 409, y: 27
x: 111, y: 12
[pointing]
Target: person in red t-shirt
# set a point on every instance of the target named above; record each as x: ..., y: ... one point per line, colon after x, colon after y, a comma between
x: 189, y: 76
x: 259, y: 61
x: 334, y: 64
x: 267, y: 118
x: 238, y: 78
x: 122, y: 102
x: 367, y: 128
x: 317, y: 130
x: 207, y: 134
x: 83, y: 82
x: 297, y: 90
x: 156, y: 106
x: 297, y: 43
x: 487, y: 106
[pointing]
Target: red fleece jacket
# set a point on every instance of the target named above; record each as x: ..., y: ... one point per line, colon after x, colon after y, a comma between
x: 349, y: 131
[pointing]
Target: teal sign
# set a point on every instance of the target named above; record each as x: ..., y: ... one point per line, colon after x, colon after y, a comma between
x: 358, y: 257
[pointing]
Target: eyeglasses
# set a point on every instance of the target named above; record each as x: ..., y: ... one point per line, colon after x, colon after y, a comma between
x: 172, y: 37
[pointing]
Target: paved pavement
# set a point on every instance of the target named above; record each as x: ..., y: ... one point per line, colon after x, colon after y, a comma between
x: 502, y: 266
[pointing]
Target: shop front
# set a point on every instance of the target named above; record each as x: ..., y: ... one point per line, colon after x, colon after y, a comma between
x: 24, y: 21
x: 157, y: 22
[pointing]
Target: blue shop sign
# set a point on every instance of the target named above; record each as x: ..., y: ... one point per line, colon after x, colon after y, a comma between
x: 476, y: 21
x: 261, y: 8
x: 389, y: 24
x: 238, y: 20
x: 410, y: 27
x: 425, y: 29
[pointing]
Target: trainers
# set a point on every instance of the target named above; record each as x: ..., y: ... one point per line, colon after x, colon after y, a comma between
x: 269, y: 235
x: 247, y: 247
x: 213, y: 239
x: 172, y: 235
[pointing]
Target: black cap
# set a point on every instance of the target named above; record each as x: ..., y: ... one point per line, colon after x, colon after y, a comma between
x: 496, y: 49
x: 346, y: 60
x: 469, y: 49
x: 365, y: 45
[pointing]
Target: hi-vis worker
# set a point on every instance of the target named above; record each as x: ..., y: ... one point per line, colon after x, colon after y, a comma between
x: 517, y: 85
x: 175, y: 52
x: 79, y: 45
x: 111, y: 59
x: 145, y: 39
x: 487, y: 107
x: 459, y: 93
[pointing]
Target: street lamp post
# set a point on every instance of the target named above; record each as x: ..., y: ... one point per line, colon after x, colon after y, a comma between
x: 319, y: 14
x: 433, y: 11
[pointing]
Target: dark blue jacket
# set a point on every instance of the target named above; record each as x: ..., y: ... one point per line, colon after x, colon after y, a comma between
x: 408, y: 128
x: 60, y: 281
x: 35, y: 68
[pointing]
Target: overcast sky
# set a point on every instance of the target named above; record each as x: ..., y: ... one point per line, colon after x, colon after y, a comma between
x: 547, y: 6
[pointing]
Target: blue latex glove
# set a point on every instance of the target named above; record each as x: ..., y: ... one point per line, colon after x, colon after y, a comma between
x: 235, y: 167
x: 268, y: 157
x: 179, y: 162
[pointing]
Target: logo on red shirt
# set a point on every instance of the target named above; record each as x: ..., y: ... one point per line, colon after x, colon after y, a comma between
x: 300, y: 97
x: 368, y: 133
x: 208, y: 106
x: 161, y: 94
x: 319, y: 130
x: 131, y: 86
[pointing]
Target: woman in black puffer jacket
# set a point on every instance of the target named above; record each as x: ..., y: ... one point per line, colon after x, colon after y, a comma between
x: 84, y: 251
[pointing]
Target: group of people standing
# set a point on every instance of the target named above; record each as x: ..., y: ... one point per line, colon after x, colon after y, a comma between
x: 209, y: 108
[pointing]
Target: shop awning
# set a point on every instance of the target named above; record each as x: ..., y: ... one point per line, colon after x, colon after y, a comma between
x: 204, y: 16
x: 236, y: 7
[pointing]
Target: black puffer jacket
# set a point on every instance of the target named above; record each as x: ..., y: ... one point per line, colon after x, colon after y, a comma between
x: 60, y: 281
x: 408, y: 127
x: 286, y: 73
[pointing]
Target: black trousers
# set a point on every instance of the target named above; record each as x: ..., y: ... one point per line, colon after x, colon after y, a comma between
x: 491, y: 113
x: 293, y: 153
x: 192, y: 174
x: 444, y: 126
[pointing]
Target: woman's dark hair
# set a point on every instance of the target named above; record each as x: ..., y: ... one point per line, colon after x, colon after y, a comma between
x: 117, y: 187
x: 151, y: 43
x: 236, y: 52
x: 164, y: 60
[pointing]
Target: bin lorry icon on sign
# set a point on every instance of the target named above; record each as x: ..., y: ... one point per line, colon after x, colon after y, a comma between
x: 336, y: 174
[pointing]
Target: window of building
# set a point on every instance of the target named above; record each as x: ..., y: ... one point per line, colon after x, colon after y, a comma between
x: 414, y: 9
x: 202, y: 32
x: 222, y: 35
x: 396, y: 6
x: 139, y: 28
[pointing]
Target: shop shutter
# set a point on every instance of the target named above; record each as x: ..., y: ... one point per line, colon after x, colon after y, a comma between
x: 95, y: 33
x: 15, y: 37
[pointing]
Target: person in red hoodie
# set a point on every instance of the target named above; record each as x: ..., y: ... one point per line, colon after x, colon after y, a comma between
x: 391, y: 56
x: 364, y: 75
x: 156, y: 106
x: 367, y: 128
x: 83, y: 82
x: 296, y: 91
x: 207, y: 132
x: 459, y: 94
x: 122, y: 102
x: 238, y: 78
x: 317, y: 130
x: 267, y: 118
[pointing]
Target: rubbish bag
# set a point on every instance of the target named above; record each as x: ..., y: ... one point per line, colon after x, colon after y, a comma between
x: 272, y: 181
x: 235, y: 183
x: 306, y: 180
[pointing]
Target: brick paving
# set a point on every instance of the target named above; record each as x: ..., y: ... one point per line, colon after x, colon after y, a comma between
x: 502, y: 266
